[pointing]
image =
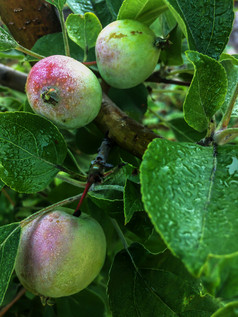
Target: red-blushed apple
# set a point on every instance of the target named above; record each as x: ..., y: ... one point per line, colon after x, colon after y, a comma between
x: 126, y: 53
x: 65, y: 91
x: 60, y: 254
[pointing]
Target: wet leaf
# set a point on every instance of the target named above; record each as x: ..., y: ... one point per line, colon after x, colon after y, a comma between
x: 203, y: 99
x: 211, y: 36
x: 30, y: 147
x: 7, y: 42
x: 191, y: 199
x: 83, y: 29
x: 9, y: 240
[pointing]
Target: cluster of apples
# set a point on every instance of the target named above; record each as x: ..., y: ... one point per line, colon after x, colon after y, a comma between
x: 60, y: 254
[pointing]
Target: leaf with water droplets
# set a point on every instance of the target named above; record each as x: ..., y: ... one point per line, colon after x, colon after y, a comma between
x: 192, y: 199
x: 144, y: 11
x: 30, y: 149
x: 7, y: 42
x: 206, y: 24
x: 207, y: 91
x: 9, y: 240
x: 83, y: 29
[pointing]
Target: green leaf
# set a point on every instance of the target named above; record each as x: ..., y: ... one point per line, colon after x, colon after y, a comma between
x: 132, y: 200
x: 207, y: 91
x: 7, y: 42
x: 171, y: 55
x: 132, y: 101
x: 9, y: 240
x: 144, y: 11
x: 164, y: 24
x: 104, y: 10
x: 13, y: 54
x: 231, y: 69
x: 89, y: 138
x: 59, y: 4
x: 183, y: 132
x: 211, y: 36
x: 1, y: 184
x: 30, y: 147
x: 155, y: 285
x: 191, y: 199
x: 83, y: 29
x: 230, y: 310
x: 85, y: 302
x: 52, y: 44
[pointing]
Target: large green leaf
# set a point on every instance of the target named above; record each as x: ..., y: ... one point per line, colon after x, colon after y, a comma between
x: 30, y: 149
x: 155, y: 285
x: 207, y: 91
x: 145, y: 11
x: 9, y: 240
x: 7, y: 42
x: 190, y: 194
x: 206, y: 24
x: 83, y: 29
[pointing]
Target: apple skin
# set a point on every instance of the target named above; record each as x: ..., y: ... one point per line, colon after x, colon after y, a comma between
x: 64, y: 91
x: 126, y: 53
x: 59, y: 254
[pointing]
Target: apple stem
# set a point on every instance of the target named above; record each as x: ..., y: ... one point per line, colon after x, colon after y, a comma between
x: 97, y: 168
x: 77, y: 211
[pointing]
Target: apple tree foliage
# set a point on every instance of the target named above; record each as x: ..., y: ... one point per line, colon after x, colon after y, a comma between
x: 171, y: 216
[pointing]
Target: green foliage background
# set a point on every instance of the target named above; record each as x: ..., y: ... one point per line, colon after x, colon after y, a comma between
x: 170, y: 219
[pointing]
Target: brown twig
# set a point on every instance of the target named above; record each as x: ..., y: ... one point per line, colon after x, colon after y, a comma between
x: 8, y: 306
x: 5, y: 193
x: 155, y: 77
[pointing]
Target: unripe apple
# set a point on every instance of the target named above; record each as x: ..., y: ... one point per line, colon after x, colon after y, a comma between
x: 59, y: 254
x: 64, y: 91
x: 126, y: 53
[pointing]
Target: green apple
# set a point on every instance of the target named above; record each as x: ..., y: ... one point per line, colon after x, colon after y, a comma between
x: 64, y: 91
x: 126, y: 53
x: 59, y: 254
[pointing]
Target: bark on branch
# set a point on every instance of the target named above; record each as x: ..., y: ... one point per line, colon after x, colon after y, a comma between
x: 28, y: 20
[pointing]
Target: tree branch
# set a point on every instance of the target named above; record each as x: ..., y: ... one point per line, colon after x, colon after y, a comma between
x: 125, y: 131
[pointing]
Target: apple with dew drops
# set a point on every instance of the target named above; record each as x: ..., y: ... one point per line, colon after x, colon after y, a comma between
x: 126, y: 53
x: 65, y: 91
x: 60, y: 254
